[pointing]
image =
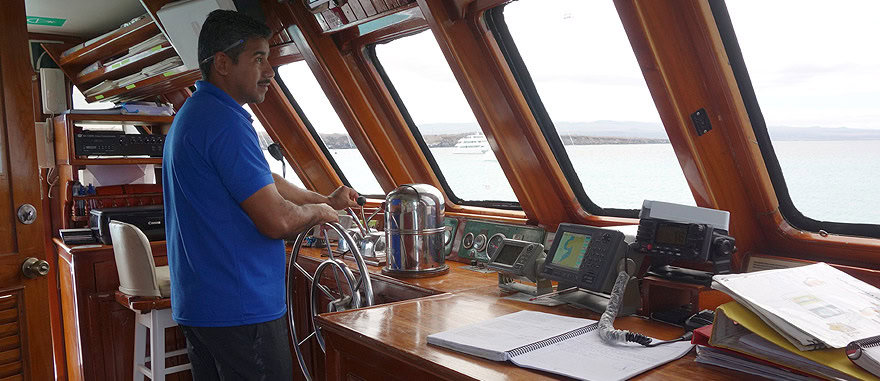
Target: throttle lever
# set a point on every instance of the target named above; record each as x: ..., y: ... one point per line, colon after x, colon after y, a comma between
x: 361, y: 200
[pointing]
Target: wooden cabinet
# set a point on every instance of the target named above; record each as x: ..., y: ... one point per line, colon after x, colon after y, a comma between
x: 66, y: 126
x: 98, y: 331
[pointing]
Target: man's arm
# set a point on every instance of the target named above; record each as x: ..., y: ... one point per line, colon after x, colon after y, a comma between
x: 296, y: 194
x: 343, y: 197
x: 278, y: 218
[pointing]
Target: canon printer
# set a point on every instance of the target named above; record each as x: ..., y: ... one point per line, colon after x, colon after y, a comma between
x: 150, y: 219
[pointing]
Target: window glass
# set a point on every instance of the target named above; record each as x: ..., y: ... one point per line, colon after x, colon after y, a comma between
x: 280, y: 167
x: 817, y: 81
x: 430, y: 94
x: 593, y: 90
x: 301, y: 83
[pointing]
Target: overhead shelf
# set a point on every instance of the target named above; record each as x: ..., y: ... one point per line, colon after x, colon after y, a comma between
x: 126, y: 67
x: 117, y: 44
x: 155, y: 85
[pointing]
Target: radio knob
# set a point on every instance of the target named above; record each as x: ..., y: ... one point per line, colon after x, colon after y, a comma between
x: 723, y: 246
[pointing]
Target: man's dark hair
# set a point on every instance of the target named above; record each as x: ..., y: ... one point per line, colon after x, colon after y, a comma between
x: 228, y: 32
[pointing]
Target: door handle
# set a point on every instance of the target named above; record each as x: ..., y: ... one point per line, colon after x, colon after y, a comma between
x: 33, y: 267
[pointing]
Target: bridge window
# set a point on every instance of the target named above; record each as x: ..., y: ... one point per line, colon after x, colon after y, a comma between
x: 575, y: 66
x: 814, y: 74
x: 279, y: 167
x: 315, y: 109
x: 417, y: 74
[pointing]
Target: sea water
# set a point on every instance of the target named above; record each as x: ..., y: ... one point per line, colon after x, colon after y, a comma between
x: 827, y: 180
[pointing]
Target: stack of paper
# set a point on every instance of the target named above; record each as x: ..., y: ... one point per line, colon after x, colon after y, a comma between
x: 127, y: 80
x: 156, y: 40
x: 100, y: 88
x: 163, y: 66
x: 134, y: 57
x: 813, y: 307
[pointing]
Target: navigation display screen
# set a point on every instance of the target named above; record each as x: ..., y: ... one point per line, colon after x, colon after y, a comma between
x: 508, y: 254
x: 571, y: 250
x: 670, y: 234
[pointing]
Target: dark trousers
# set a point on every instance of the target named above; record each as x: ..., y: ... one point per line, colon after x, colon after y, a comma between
x: 247, y: 352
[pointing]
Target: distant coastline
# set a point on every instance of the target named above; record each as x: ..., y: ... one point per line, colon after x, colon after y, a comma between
x: 613, y: 132
x: 341, y: 141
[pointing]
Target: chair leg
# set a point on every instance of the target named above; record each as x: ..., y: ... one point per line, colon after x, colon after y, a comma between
x: 157, y: 346
x: 140, y: 341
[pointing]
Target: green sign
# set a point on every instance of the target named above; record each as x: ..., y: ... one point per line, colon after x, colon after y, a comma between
x: 34, y: 20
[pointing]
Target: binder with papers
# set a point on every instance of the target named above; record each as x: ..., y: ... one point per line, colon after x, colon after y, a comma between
x: 813, y: 307
x: 740, y: 330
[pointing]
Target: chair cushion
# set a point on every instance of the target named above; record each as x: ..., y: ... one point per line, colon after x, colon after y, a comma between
x: 164, y: 278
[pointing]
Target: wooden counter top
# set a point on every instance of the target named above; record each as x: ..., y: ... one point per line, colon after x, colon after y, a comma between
x: 156, y: 246
x: 395, y: 334
x: 457, y: 280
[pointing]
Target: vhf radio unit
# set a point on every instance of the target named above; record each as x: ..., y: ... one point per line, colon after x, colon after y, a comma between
x: 116, y: 144
x: 671, y: 232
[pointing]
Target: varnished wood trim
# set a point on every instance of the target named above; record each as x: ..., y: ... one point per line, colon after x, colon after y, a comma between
x: 509, y: 126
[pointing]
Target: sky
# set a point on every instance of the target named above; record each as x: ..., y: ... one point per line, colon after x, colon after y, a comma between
x: 811, y: 64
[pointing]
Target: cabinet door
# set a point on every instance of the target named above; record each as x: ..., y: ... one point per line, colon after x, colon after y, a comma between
x: 25, y: 338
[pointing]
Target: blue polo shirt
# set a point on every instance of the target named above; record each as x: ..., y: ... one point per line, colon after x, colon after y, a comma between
x: 224, y: 272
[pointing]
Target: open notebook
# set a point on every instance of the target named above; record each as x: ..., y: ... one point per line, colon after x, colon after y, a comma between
x: 557, y: 344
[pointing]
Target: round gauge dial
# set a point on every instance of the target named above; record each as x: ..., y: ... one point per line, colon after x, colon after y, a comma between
x: 494, y: 244
x: 480, y: 242
x: 447, y: 237
x: 468, y: 241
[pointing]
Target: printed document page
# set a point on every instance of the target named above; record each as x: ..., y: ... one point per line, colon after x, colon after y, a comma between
x: 587, y: 357
x: 812, y: 306
x: 491, y: 339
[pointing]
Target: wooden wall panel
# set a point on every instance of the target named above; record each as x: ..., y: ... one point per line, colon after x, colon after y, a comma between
x: 11, y: 359
x: 504, y: 116
x: 678, y: 53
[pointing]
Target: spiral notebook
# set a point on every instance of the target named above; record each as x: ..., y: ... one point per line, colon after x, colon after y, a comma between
x: 557, y: 344
x: 866, y: 354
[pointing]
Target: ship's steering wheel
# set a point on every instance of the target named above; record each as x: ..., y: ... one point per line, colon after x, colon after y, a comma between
x: 357, y: 290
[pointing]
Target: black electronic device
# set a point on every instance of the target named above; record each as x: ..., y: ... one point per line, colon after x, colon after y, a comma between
x: 677, y: 240
x: 517, y: 258
x: 670, y: 232
x: 670, y: 240
x: 586, y: 257
x: 150, y: 219
x: 118, y: 144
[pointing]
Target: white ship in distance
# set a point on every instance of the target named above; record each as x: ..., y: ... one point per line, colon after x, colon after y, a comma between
x: 472, y: 144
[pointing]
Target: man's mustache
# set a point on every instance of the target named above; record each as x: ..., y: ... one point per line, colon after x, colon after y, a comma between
x: 264, y: 82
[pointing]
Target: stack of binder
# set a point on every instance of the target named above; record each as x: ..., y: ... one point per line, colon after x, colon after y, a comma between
x: 796, y: 329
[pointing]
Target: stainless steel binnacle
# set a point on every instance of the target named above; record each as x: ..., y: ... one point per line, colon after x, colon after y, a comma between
x: 414, y: 228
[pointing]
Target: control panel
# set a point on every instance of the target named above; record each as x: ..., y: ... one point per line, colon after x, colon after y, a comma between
x: 451, y: 225
x: 481, y: 239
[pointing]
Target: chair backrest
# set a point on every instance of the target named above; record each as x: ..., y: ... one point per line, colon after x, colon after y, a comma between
x: 134, y: 260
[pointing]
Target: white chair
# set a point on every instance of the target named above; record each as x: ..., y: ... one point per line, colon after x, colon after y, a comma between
x: 145, y: 289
